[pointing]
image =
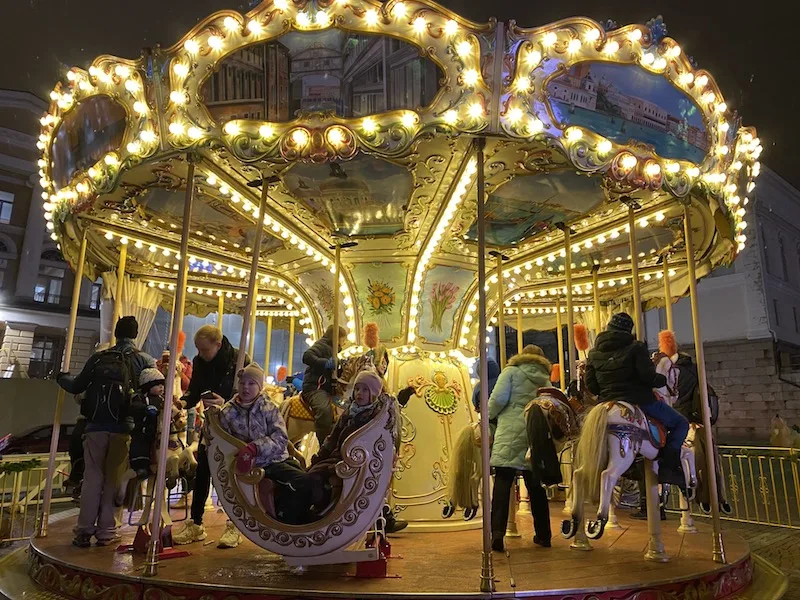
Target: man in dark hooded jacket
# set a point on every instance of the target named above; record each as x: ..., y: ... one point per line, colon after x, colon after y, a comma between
x: 318, y: 381
x: 619, y: 369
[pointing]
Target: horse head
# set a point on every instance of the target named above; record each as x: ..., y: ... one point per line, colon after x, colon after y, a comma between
x: 348, y: 369
x: 667, y: 368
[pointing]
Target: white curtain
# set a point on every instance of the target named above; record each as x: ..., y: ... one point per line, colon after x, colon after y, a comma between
x: 138, y: 300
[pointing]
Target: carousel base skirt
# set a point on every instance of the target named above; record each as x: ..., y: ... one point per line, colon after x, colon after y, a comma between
x: 424, y: 565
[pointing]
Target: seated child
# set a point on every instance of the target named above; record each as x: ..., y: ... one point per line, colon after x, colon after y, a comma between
x: 254, y: 419
x: 144, y: 410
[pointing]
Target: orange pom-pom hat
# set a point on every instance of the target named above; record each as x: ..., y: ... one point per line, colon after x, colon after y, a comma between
x: 371, y: 335
x: 181, y: 341
x: 581, y: 337
x: 667, y: 343
x: 555, y: 373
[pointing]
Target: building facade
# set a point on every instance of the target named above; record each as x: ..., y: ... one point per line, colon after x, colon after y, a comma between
x: 750, y: 319
x: 35, y: 283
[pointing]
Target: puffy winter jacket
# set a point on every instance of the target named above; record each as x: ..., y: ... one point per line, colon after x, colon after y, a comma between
x: 517, y: 385
x: 619, y: 368
x: 216, y: 375
x: 494, y: 372
x: 261, y: 423
x: 315, y: 358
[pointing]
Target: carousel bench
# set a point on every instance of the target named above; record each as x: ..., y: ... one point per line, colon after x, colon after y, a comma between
x: 338, y: 536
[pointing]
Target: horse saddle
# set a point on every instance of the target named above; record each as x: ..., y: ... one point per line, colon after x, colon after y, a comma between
x: 559, y: 413
x: 300, y: 409
x: 657, y: 433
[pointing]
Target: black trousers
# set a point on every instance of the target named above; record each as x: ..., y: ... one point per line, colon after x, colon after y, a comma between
x: 76, y: 451
x: 503, y: 482
x: 293, y: 491
x: 202, y: 486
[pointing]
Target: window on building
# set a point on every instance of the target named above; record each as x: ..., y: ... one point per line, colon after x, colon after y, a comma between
x: 45, y: 356
x: 52, y: 254
x: 782, y: 250
x: 6, y: 206
x: 777, y: 315
x: 48, y: 285
x: 96, y: 296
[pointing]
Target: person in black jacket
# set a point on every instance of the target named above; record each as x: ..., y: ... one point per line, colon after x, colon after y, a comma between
x: 318, y: 381
x: 214, y: 371
x: 619, y: 368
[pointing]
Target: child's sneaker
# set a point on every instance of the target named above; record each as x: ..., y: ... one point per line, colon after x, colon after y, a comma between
x: 190, y: 533
x: 82, y: 540
x: 230, y: 538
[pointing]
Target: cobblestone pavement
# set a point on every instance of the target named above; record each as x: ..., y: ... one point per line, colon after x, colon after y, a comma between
x: 778, y: 545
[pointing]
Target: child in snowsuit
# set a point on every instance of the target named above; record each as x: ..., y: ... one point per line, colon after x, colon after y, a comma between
x: 144, y: 411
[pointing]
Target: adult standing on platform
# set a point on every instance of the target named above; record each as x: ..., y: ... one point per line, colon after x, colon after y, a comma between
x: 213, y: 375
x: 318, y: 381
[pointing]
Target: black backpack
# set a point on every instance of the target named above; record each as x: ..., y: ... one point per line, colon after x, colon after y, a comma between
x: 109, y: 395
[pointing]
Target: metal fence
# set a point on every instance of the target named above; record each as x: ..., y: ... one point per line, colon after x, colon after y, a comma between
x: 21, y: 493
x: 762, y: 485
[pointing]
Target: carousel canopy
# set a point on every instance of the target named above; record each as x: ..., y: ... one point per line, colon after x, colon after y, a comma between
x: 359, y: 121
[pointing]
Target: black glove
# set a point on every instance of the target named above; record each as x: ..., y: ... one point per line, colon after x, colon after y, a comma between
x: 61, y: 374
x: 404, y: 395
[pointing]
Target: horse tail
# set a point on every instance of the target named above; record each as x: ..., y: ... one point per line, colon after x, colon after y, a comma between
x: 591, y: 455
x: 466, y: 462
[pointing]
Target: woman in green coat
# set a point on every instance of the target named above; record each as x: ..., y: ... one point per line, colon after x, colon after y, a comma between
x: 517, y: 385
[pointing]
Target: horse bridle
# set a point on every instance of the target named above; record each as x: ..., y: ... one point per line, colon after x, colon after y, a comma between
x: 657, y: 357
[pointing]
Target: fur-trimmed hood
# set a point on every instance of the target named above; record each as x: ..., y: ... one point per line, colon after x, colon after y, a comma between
x: 526, y: 359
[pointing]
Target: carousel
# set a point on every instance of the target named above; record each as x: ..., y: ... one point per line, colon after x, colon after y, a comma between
x: 343, y: 162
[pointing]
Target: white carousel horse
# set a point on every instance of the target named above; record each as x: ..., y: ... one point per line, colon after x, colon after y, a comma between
x: 781, y: 435
x: 340, y: 536
x: 611, y: 437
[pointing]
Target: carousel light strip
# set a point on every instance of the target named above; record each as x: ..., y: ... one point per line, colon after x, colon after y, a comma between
x: 536, y: 309
x: 463, y: 185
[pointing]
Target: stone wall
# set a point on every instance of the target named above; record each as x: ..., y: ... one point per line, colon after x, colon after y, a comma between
x: 82, y: 348
x: 745, y: 376
x: 17, y: 344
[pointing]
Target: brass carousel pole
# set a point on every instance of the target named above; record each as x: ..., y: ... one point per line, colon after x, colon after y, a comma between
x: 637, y: 296
x: 151, y: 561
x: 668, y: 294
x: 560, y: 338
x: 501, y: 322
x: 596, y: 296
x: 73, y: 319
x: 220, y: 310
x: 487, y: 569
x: 123, y: 260
x: 289, y: 360
x: 251, y: 336
x: 519, y: 327
x: 268, y: 346
x: 252, y: 288
x: 718, y: 547
x: 337, y: 264
x: 570, y: 313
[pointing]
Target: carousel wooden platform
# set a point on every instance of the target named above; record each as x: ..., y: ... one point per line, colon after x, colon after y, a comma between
x: 426, y: 564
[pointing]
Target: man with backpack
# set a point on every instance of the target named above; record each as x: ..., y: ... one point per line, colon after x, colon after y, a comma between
x: 107, y: 382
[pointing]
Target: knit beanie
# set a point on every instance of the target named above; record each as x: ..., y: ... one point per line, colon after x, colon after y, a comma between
x: 150, y: 377
x: 372, y: 381
x: 621, y: 322
x: 254, y: 372
x: 126, y: 327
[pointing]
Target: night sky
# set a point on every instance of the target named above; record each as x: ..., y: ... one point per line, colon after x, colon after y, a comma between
x: 749, y: 47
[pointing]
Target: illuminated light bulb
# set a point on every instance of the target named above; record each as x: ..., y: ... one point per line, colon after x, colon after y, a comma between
x: 303, y: 19
x: 450, y: 117
x: 451, y: 27
x: 111, y: 160
x: 140, y: 107
x: 177, y: 97
x: 104, y: 77
x: 709, y: 97
x: 224, y: 190
x: 614, y: 234
x: 300, y: 137
x: 686, y: 78
x: 592, y: 35
x: 266, y: 131
x: 604, y: 147
x: 463, y: 48
x: 148, y: 136
x: 133, y: 86
x: 335, y: 136
x: 660, y: 64
x: 535, y: 125
x: 721, y: 107
x: 232, y: 128
x: 211, y: 179
x: 476, y: 110
x: 611, y: 47
x: 522, y: 84
x: 514, y: 115
x: 254, y: 27
x: 470, y: 77
x: 740, y: 212
x: 420, y: 24
x: 195, y: 133
x: 648, y: 58
x: 643, y: 223
x: 399, y: 10
x: 109, y: 235
x: 723, y: 150
x: 588, y: 244
x: 574, y: 45
x: 724, y: 127
x: 408, y: 119
x: 701, y: 81
x: 628, y: 162
x: 693, y: 171
x: 549, y: 38
x: 674, y: 51
x: 322, y: 18
x: 652, y: 169
x: 122, y: 71
x: 134, y: 147
x: 369, y: 125
x: 176, y: 128
x: 215, y: 42
x: 574, y: 134
x: 635, y: 35
x: 741, y: 225
x: 230, y: 24
x: 152, y: 248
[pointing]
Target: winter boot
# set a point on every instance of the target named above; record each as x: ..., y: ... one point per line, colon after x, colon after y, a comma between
x: 393, y: 525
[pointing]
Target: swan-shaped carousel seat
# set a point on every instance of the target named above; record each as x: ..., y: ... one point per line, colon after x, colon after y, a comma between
x: 339, y: 535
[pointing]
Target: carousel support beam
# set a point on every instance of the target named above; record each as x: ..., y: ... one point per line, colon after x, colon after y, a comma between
x: 637, y: 293
x: 519, y: 327
x: 151, y: 561
x: 289, y: 360
x: 268, y: 347
x: 220, y: 310
x: 570, y: 313
x: 73, y: 319
x: 501, y: 321
x: 252, y: 288
x: 718, y: 552
x: 668, y: 294
x: 337, y: 265
x: 123, y: 260
x: 251, y: 337
x: 487, y: 569
x: 596, y: 297
x: 560, y: 338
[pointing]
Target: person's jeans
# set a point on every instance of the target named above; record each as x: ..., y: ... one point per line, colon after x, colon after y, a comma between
x: 320, y: 403
x: 501, y: 496
x: 105, y: 457
x: 676, y: 424
x: 202, y: 485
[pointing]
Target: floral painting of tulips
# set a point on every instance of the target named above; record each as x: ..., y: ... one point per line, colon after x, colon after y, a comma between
x: 442, y: 298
